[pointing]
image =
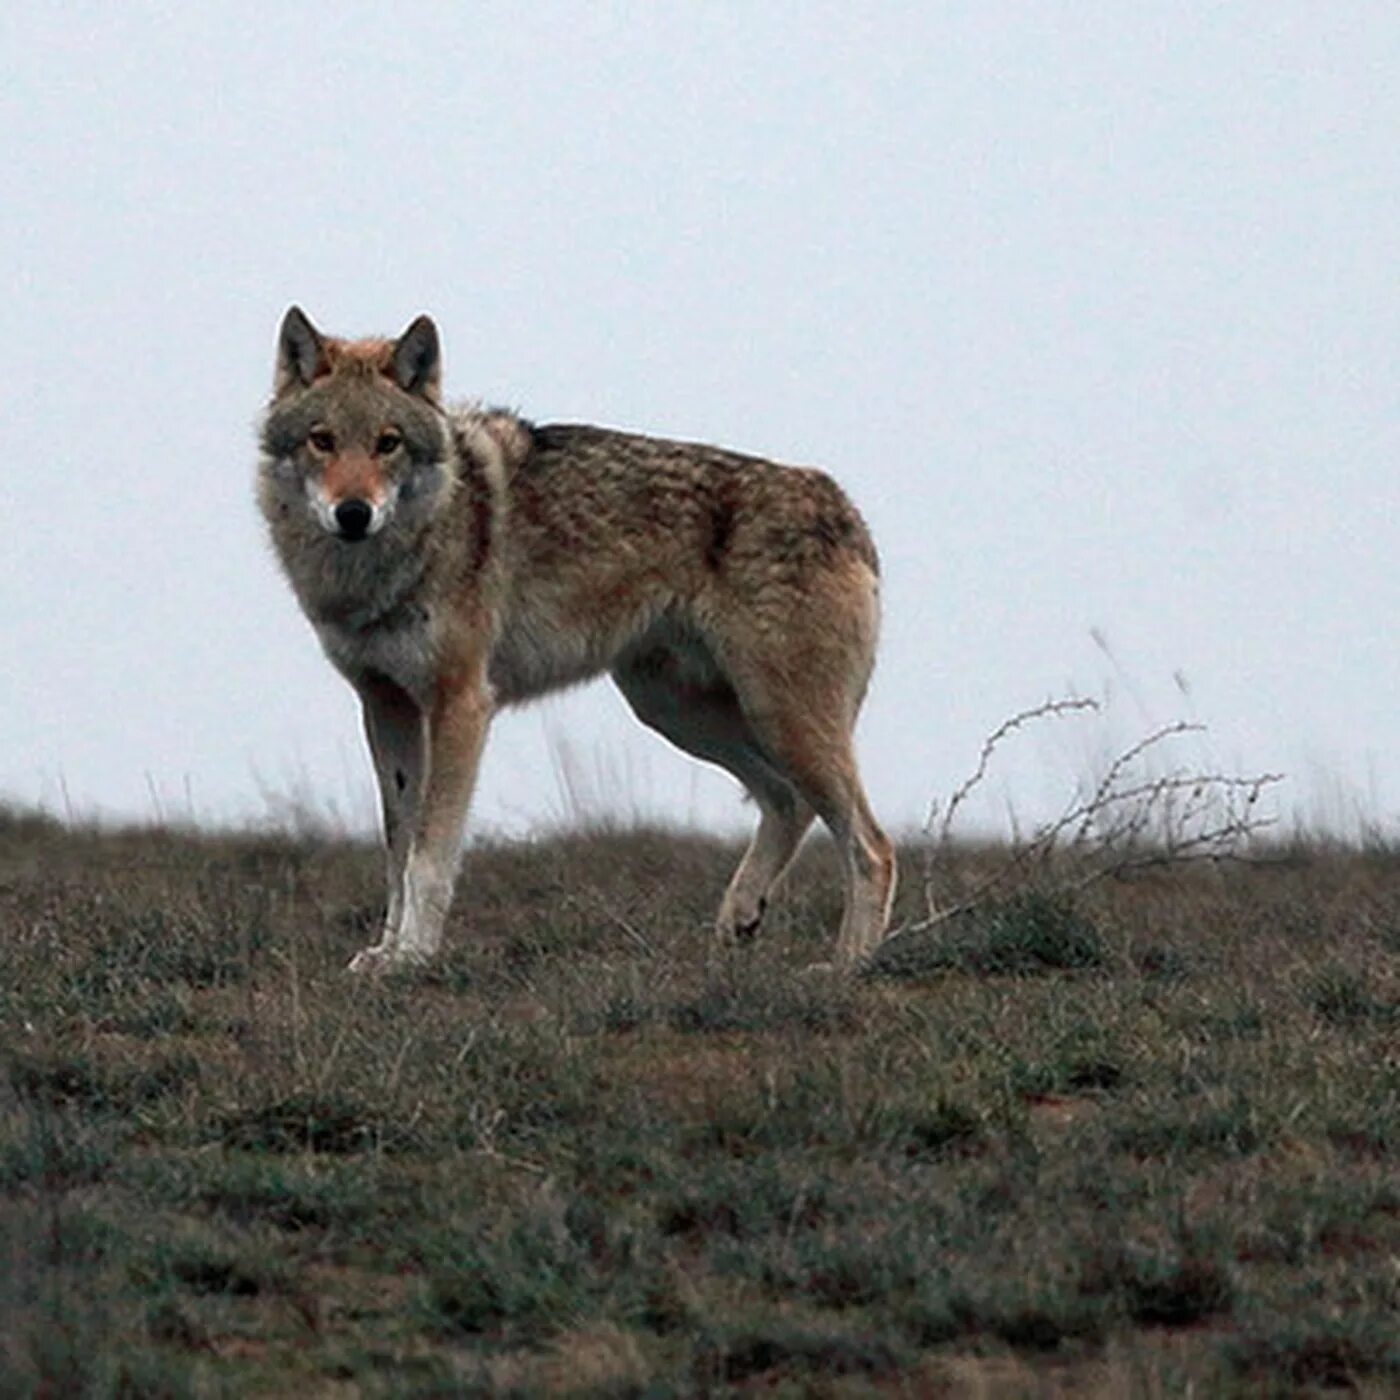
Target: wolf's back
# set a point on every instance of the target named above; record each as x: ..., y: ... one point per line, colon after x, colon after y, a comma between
x: 729, y: 504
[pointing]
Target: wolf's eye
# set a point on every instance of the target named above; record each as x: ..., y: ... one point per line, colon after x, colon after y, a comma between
x: 321, y: 439
x: 387, y: 442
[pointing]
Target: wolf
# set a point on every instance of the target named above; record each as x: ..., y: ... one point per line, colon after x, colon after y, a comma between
x: 454, y: 560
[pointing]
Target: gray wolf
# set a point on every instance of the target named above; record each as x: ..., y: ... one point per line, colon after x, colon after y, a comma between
x: 454, y: 560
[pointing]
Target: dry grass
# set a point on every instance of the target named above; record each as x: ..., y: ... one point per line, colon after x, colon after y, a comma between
x: 1136, y: 1139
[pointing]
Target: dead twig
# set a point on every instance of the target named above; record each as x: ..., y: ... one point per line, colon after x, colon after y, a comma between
x: 1130, y: 819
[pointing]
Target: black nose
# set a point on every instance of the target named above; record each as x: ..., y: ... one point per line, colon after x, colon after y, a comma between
x: 353, y: 518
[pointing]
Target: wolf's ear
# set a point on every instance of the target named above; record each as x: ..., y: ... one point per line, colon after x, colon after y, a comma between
x: 418, y: 359
x: 301, y: 353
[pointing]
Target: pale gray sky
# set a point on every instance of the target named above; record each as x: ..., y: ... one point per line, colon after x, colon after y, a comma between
x: 1092, y: 307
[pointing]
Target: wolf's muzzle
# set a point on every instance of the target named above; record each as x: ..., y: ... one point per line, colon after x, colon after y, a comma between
x: 353, y: 518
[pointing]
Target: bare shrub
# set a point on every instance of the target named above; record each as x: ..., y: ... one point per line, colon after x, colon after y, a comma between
x: 1147, y: 808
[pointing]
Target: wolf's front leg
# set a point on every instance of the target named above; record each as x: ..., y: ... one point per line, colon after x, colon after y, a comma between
x: 456, y: 731
x: 398, y: 740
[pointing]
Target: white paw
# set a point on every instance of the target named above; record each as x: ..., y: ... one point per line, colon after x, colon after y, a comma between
x: 736, y: 927
x: 381, y: 959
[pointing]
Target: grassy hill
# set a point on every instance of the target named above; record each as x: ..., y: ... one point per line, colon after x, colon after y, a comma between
x: 1130, y: 1143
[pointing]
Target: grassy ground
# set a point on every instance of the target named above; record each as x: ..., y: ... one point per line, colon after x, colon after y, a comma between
x: 1142, y: 1144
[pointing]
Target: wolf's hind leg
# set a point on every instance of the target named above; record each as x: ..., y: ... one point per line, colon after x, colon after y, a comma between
x: 706, y: 722
x: 806, y: 735
x: 828, y: 779
x: 784, y: 818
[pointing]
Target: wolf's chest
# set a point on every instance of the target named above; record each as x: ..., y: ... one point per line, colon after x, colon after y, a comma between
x: 402, y: 649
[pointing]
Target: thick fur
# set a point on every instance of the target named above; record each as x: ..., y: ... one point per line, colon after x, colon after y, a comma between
x: 453, y: 561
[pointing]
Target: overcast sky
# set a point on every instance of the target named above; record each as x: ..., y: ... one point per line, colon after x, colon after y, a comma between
x: 1092, y: 307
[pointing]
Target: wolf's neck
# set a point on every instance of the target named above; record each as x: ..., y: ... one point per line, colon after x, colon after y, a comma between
x: 367, y: 585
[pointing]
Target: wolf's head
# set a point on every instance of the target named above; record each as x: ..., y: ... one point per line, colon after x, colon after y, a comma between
x: 355, y: 433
